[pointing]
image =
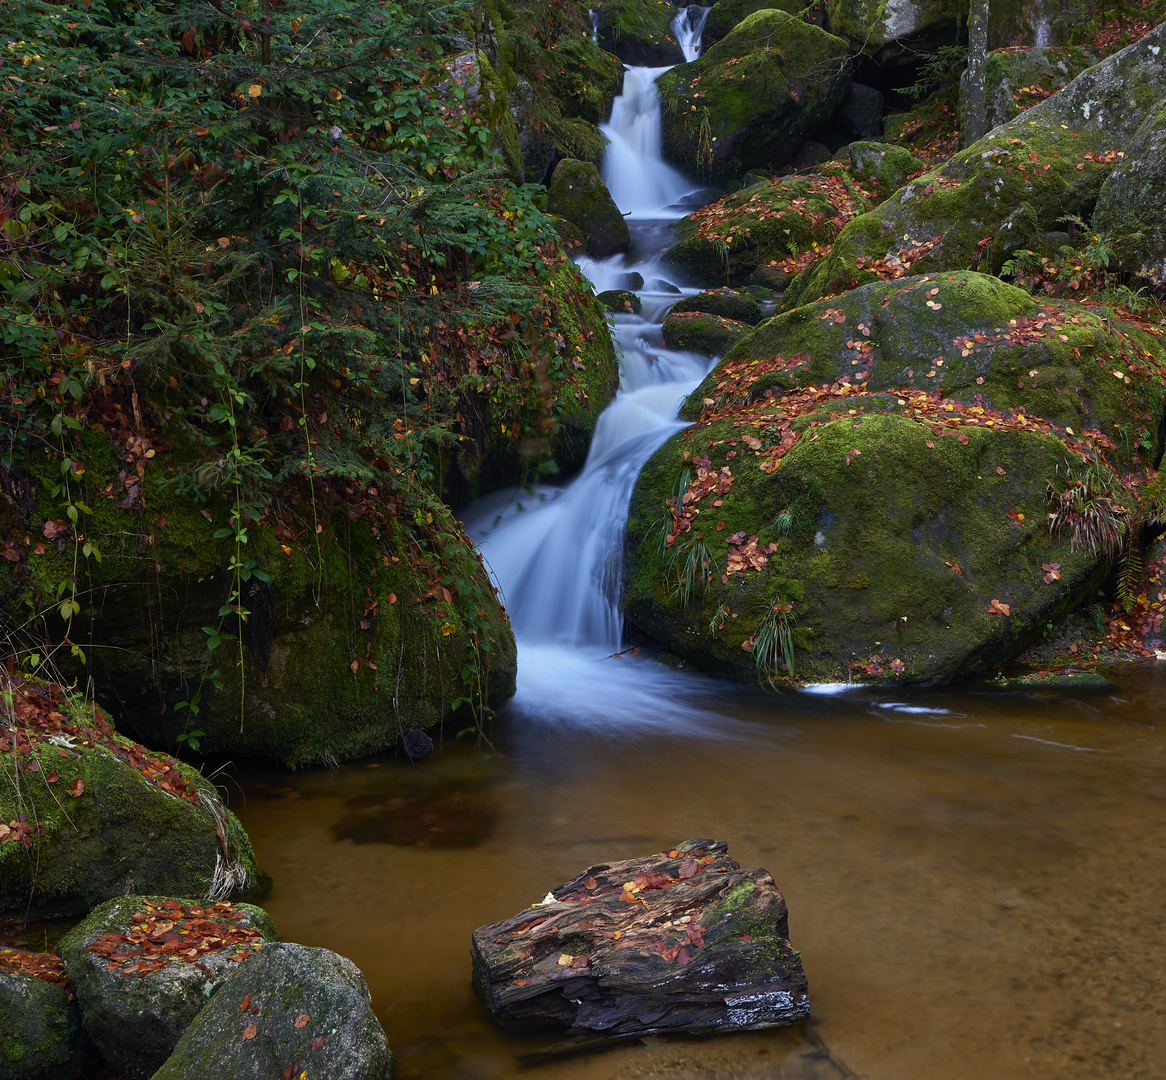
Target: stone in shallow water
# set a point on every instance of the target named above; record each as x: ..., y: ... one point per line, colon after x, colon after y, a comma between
x: 680, y: 941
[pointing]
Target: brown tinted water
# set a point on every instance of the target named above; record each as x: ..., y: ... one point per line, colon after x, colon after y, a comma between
x: 975, y: 878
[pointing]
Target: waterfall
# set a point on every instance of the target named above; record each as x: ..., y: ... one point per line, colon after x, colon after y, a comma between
x: 557, y: 553
x: 687, y: 28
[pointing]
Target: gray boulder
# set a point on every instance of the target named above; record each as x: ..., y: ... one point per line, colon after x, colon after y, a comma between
x: 861, y: 113
x: 40, y: 1029
x: 1131, y: 209
x: 135, y: 979
x: 289, y: 1009
x: 578, y: 194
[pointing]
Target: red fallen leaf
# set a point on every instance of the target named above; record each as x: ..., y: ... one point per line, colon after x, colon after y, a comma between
x: 687, y: 869
x: 962, y: 438
x: 746, y: 938
x: 77, y: 788
x: 929, y: 444
x: 627, y: 897
x: 302, y: 1020
x: 580, y: 962
x: 694, y: 934
x: 683, y: 956
x: 521, y: 982
x: 586, y: 924
x: 245, y: 1004
x: 590, y: 883
x: 1052, y: 572
x: 317, y: 1044
x: 897, y: 665
x: 250, y: 1031
x: 997, y: 606
x: 52, y: 778
x: 1000, y: 471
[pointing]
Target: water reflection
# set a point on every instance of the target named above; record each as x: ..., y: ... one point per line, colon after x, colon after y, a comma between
x: 970, y: 898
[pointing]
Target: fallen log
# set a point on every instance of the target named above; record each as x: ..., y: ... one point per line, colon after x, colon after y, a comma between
x: 680, y: 941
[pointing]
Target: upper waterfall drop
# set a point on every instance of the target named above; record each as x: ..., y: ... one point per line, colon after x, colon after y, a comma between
x: 688, y: 26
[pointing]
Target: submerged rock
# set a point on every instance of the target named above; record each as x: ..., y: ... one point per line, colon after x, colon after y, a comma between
x: 577, y: 192
x: 289, y: 1009
x: 680, y: 941
x: 138, y: 985
x: 750, y: 100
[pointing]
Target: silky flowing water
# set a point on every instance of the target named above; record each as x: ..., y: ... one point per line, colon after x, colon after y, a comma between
x: 975, y: 877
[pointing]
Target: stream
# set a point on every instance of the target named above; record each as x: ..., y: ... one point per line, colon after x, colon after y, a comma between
x: 974, y: 876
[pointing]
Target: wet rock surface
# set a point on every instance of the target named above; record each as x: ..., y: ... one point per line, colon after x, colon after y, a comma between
x: 290, y: 1010
x: 680, y: 941
x: 578, y: 194
x: 40, y: 1028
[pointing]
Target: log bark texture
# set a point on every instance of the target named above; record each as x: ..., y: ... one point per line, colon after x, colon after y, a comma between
x: 680, y: 941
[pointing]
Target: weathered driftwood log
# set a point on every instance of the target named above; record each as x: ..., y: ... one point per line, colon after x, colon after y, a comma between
x: 681, y: 941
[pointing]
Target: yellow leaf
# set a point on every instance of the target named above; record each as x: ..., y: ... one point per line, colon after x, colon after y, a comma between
x: 254, y: 90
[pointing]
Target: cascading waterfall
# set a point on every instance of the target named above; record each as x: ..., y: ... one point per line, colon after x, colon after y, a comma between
x: 556, y: 554
x: 687, y: 28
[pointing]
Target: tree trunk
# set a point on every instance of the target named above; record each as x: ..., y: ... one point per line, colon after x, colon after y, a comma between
x: 975, y: 116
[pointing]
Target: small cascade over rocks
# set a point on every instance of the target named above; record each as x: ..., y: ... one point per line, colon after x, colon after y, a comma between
x: 556, y: 553
x: 687, y: 28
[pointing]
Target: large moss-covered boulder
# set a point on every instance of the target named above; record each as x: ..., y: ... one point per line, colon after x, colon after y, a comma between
x: 843, y: 534
x: 728, y: 303
x: 1131, y: 209
x: 86, y: 814
x: 867, y: 483
x: 638, y: 31
x: 768, y: 224
x: 750, y: 100
x: 1010, y: 188
x: 972, y: 339
x: 699, y: 332
x: 40, y: 1026
x: 371, y: 605
x: 142, y: 967
x: 1017, y: 79
x: 883, y: 167
x: 577, y: 192
x: 288, y: 1010
x: 724, y: 15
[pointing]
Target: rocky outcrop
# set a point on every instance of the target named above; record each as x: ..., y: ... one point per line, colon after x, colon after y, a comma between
x: 750, y: 100
x: 1011, y: 188
x: 868, y: 482
x: 288, y: 1009
x: 724, y: 15
x: 764, y: 226
x: 142, y: 967
x: 682, y: 941
x: 638, y: 31
x: 1131, y: 209
x: 1016, y: 79
x: 40, y: 1026
x: 86, y: 815
x: 577, y: 192
x: 882, y: 166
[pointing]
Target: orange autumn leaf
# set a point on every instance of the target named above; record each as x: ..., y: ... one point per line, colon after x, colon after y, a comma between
x: 250, y: 1031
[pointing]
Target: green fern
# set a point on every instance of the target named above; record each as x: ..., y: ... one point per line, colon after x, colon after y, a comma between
x: 1130, y: 575
x: 773, y: 643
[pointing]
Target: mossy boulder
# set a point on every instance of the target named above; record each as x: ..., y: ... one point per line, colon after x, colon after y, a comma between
x: 727, y: 303
x: 750, y: 100
x: 570, y: 235
x: 577, y: 192
x: 883, y: 166
x: 621, y: 301
x: 40, y: 1029
x: 1008, y: 189
x: 102, y: 827
x: 875, y: 547
x: 1016, y: 79
x: 1131, y: 209
x: 725, y: 15
x: 306, y: 1007
x: 638, y: 31
x: 968, y: 338
x: 698, y: 332
x: 375, y: 605
x: 138, y: 987
x: 762, y: 226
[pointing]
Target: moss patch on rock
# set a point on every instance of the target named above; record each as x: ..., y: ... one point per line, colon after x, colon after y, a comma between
x: 696, y: 331
x: 726, y: 15
x: 638, y: 31
x: 727, y: 303
x: 750, y: 100
x: 577, y: 192
x: 40, y: 1029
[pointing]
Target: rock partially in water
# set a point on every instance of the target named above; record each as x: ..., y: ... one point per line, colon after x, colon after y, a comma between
x: 700, y: 332
x: 680, y: 941
x: 138, y: 986
x: 727, y: 303
x: 289, y: 1010
x: 621, y: 301
x: 578, y: 193
x: 1083, y: 682
x: 418, y: 746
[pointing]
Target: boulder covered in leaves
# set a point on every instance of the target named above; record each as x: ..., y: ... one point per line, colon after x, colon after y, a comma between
x: 771, y: 225
x: 681, y: 941
x: 578, y: 194
x: 40, y: 1026
x: 751, y: 99
x: 907, y: 482
x: 86, y: 814
x: 290, y: 1010
x: 142, y: 967
x: 1009, y: 189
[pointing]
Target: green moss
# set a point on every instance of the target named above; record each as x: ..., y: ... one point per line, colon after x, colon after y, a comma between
x: 709, y: 335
